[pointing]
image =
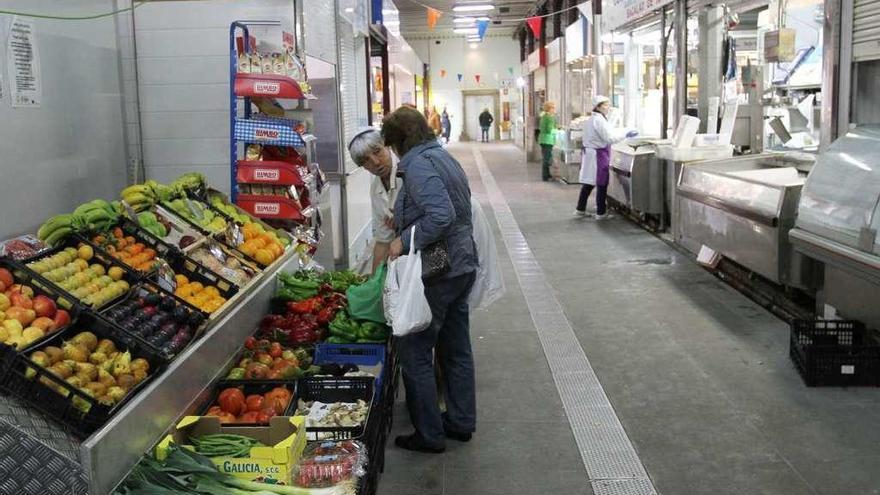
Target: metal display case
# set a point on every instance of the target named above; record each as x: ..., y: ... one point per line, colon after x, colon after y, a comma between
x: 743, y: 208
x: 838, y: 221
x: 103, y: 459
x: 637, y: 180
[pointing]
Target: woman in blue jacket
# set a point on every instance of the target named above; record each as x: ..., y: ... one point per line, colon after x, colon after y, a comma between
x: 436, y: 199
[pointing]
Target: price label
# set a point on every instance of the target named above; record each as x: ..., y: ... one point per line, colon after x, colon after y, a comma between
x: 233, y: 233
x: 196, y: 211
x: 216, y: 250
x: 129, y: 211
x: 166, y: 279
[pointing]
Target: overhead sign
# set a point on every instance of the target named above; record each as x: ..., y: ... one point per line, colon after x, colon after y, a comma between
x: 575, y: 41
x: 537, y: 59
x: 616, y: 13
x: 554, y: 51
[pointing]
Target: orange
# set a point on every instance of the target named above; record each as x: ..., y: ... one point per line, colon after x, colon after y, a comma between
x: 248, y: 248
x: 264, y: 257
x: 259, y: 242
x: 85, y: 252
x: 196, y: 287
x: 181, y: 280
x: 276, y: 249
x: 116, y: 273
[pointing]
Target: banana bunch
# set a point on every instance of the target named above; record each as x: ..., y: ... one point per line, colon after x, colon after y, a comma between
x: 191, y: 181
x: 139, y: 196
x: 96, y: 215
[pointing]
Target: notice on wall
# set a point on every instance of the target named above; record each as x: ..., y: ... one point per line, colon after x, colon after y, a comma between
x: 23, y: 64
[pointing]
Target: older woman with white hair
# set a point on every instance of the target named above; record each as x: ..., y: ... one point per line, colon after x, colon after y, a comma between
x: 368, y: 150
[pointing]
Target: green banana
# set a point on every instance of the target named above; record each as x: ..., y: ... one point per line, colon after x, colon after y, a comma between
x: 134, y: 198
x: 98, y: 215
x: 53, y: 224
x: 58, y: 235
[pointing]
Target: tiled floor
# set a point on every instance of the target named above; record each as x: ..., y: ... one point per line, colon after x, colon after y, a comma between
x: 698, y: 375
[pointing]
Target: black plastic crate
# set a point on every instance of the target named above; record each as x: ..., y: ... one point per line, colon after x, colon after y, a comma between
x: 131, y: 229
x: 249, y: 387
x: 197, y: 319
x: 99, y: 257
x: 78, y: 411
x: 345, y: 389
x: 834, y: 353
x: 22, y: 275
x: 194, y: 272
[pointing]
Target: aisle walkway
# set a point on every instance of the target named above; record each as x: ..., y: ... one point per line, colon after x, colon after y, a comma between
x: 697, y: 374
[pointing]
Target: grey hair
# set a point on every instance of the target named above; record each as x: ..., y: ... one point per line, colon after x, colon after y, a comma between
x: 365, y: 144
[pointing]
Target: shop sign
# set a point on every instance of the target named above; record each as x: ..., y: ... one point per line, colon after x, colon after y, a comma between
x: 575, y: 41
x: 554, y: 51
x: 537, y: 59
x: 616, y: 13
x: 267, y: 208
x: 267, y: 175
x: 266, y: 134
x: 266, y: 88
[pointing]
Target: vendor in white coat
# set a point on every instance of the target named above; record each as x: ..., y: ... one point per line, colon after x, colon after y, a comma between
x: 598, y: 136
x: 368, y: 150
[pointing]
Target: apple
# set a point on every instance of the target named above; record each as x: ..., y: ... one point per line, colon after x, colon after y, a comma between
x: 22, y: 301
x: 62, y: 319
x: 2, y: 287
x: 44, y: 323
x: 45, y: 306
x: 6, y: 277
x: 5, y: 303
x: 21, y: 289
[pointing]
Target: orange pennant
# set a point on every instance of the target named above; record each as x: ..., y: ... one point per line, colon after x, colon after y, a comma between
x: 433, y: 17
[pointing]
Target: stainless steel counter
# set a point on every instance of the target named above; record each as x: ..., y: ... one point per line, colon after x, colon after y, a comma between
x: 743, y: 208
x: 637, y: 179
x: 108, y: 455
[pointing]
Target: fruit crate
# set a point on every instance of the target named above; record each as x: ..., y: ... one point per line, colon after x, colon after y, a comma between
x: 304, y: 355
x: 362, y: 355
x: 178, y: 230
x: 249, y: 387
x: 237, y: 268
x: 124, y: 315
x: 188, y: 221
x: 130, y: 229
x: 60, y: 400
x: 23, y: 276
x: 127, y: 275
x: 834, y: 353
x: 183, y: 265
x: 329, y: 390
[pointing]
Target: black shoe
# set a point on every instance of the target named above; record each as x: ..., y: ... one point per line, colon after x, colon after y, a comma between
x: 416, y: 444
x: 457, y: 435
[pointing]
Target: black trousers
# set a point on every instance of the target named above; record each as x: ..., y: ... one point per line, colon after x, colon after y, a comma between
x: 546, y: 161
x: 485, y: 134
x: 601, y: 192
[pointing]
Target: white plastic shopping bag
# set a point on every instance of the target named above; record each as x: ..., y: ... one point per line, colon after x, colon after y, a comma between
x: 489, y: 283
x: 364, y: 263
x: 405, y: 305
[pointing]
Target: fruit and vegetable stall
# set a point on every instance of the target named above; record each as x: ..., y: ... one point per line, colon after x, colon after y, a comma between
x: 169, y: 342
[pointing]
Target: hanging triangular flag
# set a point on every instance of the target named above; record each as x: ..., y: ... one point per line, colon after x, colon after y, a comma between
x: 481, y: 27
x: 586, y: 9
x: 535, y: 24
x: 459, y: 77
x: 477, y: 77
x: 442, y: 72
x: 433, y: 17
x: 510, y: 70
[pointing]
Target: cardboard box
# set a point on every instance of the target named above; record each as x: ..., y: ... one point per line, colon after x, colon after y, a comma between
x: 779, y: 45
x: 285, y: 438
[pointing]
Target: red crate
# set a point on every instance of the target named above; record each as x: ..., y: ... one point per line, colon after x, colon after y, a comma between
x: 269, y: 85
x: 270, y: 207
x: 268, y: 172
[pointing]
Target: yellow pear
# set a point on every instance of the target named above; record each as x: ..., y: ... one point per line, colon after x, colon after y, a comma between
x: 4, y: 334
x: 13, y: 327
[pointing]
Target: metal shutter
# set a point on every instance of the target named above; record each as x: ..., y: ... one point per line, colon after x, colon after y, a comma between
x: 348, y: 86
x: 866, y: 30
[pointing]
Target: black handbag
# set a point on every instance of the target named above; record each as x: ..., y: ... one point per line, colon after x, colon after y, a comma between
x: 435, y: 260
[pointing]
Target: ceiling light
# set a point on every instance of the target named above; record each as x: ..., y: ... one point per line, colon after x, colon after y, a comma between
x: 349, y: 10
x: 465, y: 30
x: 463, y: 20
x: 473, y: 7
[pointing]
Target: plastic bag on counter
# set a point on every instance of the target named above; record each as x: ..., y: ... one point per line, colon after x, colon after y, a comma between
x: 489, y: 283
x: 330, y: 463
x: 22, y: 247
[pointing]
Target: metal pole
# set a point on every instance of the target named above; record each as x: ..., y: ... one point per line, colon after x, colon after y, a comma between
x: 680, y: 59
x: 663, y: 45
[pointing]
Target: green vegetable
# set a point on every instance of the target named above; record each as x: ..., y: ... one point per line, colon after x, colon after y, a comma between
x: 223, y: 445
x: 293, y: 288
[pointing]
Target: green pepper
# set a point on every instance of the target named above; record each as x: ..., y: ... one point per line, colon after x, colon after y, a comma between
x: 235, y: 374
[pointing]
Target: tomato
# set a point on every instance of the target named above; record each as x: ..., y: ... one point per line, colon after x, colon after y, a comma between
x: 278, y: 398
x: 232, y: 401
x: 256, y: 371
x: 249, y: 417
x: 225, y: 418
x: 266, y: 414
x: 275, y: 350
x: 254, y: 402
x: 214, y: 411
x: 250, y: 343
x: 273, y: 375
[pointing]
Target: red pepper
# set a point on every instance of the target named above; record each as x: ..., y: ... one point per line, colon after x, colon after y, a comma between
x: 306, y: 306
x: 326, y: 315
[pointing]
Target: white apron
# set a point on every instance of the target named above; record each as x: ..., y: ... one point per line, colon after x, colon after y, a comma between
x: 588, y: 167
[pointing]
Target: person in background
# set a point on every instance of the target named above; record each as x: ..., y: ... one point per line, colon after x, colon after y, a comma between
x: 547, y: 138
x: 445, y: 125
x: 598, y: 136
x: 486, y: 120
x: 368, y: 150
x: 434, y: 121
x: 436, y: 200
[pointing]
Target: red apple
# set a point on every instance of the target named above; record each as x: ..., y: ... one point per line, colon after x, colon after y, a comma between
x: 22, y: 289
x: 24, y: 316
x: 22, y: 301
x: 2, y: 287
x: 6, y: 277
x: 62, y: 319
x: 44, y: 306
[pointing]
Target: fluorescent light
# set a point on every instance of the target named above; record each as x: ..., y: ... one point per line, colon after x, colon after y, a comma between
x: 474, y: 46
x: 520, y: 82
x: 349, y: 10
x: 463, y: 20
x: 465, y: 30
x: 473, y: 7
